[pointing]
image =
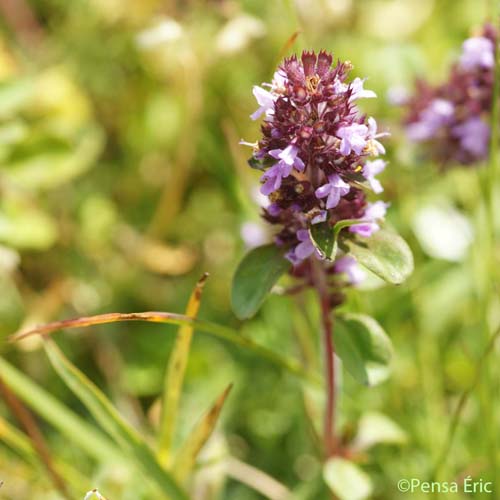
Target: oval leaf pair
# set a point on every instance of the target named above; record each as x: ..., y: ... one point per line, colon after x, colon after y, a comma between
x: 364, y: 348
x: 384, y: 253
x: 257, y: 273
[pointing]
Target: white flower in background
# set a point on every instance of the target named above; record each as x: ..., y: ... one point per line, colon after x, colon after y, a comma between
x: 260, y: 199
x: 165, y: 31
x: 238, y: 32
x: 253, y: 234
x: 398, y: 95
x: 94, y: 493
x: 443, y: 232
x: 9, y: 259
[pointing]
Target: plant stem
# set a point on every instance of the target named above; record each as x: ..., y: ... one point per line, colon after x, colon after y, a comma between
x: 329, y: 356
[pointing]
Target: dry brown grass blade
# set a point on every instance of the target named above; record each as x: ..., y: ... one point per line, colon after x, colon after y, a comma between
x: 221, y: 332
x: 26, y: 419
x: 257, y: 480
x: 186, y: 458
x: 99, y: 319
x: 174, y: 377
x: 288, y: 45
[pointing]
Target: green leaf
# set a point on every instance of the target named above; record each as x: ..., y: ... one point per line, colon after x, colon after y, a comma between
x: 259, y: 270
x: 24, y: 226
x: 325, y: 237
x: 47, y: 169
x: 70, y: 425
x: 21, y: 444
x: 347, y: 480
x: 364, y: 348
x: 384, y: 253
x: 375, y: 428
x: 112, y: 422
x: 14, y: 95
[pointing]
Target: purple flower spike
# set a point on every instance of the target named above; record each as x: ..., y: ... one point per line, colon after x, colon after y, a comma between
x: 477, y: 52
x: 452, y: 117
x: 370, y: 170
x: 313, y: 139
x: 353, y: 138
x: 349, y: 266
x: 335, y: 189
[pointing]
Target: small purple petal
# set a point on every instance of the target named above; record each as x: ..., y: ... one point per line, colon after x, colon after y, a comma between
x: 349, y: 266
x: 273, y: 209
x: 335, y: 189
x: 265, y: 100
x: 321, y: 217
x: 303, y: 235
x: 365, y: 229
x: 323, y: 191
x: 376, y: 210
x: 474, y: 136
x: 353, y: 137
x: 304, y: 249
x: 477, y: 52
x: 358, y: 92
x: 370, y: 170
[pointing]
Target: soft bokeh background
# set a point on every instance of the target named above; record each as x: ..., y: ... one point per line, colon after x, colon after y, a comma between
x: 122, y: 181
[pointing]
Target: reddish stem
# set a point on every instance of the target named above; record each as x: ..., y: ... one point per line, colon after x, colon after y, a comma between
x: 320, y: 280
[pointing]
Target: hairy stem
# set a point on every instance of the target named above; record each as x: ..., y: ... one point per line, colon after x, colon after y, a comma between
x: 329, y: 356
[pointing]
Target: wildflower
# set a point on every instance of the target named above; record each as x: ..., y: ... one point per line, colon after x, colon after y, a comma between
x: 373, y: 213
x: 315, y: 150
x: 265, y: 100
x: 304, y: 249
x: 370, y: 170
x: 358, y: 92
x: 334, y: 189
x: 353, y: 137
x: 452, y: 118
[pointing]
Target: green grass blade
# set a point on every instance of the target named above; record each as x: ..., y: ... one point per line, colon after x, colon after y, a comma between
x: 219, y: 331
x: 186, y: 457
x: 20, y: 443
x: 75, y: 429
x: 174, y: 376
x: 17, y: 441
x: 112, y: 422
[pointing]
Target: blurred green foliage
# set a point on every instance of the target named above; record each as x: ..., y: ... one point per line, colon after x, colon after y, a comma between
x: 121, y: 182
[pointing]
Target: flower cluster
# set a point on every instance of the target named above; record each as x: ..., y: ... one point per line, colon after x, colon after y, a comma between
x: 318, y: 154
x: 452, y: 118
